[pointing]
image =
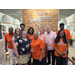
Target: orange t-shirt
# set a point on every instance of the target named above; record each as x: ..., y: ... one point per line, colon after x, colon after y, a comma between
x: 8, y: 38
x: 61, y: 47
x: 31, y: 37
x: 67, y: 33
x: 37, y: 46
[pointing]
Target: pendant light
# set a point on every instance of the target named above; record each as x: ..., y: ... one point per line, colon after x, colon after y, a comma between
x: 16, y: 22
x: 72, y: 18
x: 6, y: 19
x: 63, y: 21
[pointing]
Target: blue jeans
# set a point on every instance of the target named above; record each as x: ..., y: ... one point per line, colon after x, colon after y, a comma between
x: 37, y: 62
x: 66, y: 60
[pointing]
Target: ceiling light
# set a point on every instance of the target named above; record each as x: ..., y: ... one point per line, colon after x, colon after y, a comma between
x: 72, y: 18
x: 63, y: 21
x: 16, y: 22
x: 6, y: 19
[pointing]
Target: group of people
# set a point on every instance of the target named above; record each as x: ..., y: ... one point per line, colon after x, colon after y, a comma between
x: 23, y: 45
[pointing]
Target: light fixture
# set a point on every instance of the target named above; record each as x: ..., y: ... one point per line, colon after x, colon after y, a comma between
x: 72, y: 18
x: 6, y: 19
x: 63, y: 21
x: 16, y: 22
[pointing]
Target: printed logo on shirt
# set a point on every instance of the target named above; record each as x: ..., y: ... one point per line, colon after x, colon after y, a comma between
x: 61, y: 43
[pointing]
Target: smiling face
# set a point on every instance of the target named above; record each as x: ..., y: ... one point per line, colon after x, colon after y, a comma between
x: 35, y: 35
x: 22, y: 27
x: 41, y: 30
x: 30, y: 31
x: 10, y: 31
x: 48, y: 29
x: 17, y: 31
x: 24, y: 34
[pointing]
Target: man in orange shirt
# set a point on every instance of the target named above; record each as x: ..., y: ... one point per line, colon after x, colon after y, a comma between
x: 8, y: 41
x: 68, y: 37
x: 37, y: 49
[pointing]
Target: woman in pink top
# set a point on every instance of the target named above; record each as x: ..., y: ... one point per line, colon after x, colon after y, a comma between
x: 43, y: 38
x: 50, y: 37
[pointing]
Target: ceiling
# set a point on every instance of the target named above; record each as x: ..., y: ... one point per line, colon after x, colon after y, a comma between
x: 17, y: 13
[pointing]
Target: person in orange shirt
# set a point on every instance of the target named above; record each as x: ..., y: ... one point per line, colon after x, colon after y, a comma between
x: 30, y: 35
x: 37, y: 49
x: 61, y: 46
x: 8, y: 41
x: 68, y: 37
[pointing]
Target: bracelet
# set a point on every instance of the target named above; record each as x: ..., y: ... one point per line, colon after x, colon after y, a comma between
x: 40, y: 57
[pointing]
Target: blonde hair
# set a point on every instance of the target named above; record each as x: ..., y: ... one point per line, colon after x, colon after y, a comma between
x: 15, y: 35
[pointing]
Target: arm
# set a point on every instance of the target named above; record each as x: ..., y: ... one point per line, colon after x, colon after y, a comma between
x: 15, y: 49
x: 46, y: 47
x: 56, y: 50
x: 66, y: 50
x: 6, y: 46
x: 41, y: 55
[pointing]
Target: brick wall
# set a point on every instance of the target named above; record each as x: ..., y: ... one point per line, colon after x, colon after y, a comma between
x: 27, y: 14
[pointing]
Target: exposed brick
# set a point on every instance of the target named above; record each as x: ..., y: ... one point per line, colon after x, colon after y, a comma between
x: 27, y: 14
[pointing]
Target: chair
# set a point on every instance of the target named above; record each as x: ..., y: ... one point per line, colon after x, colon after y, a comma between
x: 73, y: 62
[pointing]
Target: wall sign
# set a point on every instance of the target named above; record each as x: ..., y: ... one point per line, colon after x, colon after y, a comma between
x: 40, y: 19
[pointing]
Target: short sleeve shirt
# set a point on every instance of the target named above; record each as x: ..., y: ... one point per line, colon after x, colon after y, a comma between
x: 50, y: 39
x: 23, y: 46
x: 8, y: 38
x: 37, y: 46
x: 67, y: 32
x: 61, y: 47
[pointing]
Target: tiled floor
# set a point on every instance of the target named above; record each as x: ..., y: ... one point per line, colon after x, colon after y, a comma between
x: 71, y: 53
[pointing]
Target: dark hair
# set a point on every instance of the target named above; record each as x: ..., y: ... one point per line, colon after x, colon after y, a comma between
x: 29, y: 30
x: 22, y: 24
x: 61, y: 24
x: 58, y: 37
x: 11, y: 28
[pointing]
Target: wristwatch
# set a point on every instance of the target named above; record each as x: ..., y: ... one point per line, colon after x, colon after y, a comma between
x: 40, y: 57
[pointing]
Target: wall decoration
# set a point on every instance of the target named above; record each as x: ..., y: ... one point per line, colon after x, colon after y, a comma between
x: 37, y: 18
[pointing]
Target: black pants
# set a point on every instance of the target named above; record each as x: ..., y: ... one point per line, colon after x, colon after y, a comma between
x: 49, y: 57
x: 60, y: 60
x: 37, y: 62
x: 29, y: 62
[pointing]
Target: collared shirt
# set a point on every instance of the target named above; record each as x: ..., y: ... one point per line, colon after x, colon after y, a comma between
x: 8, y: 38
x: 37, y: 45
x: 31, y: 37
x: 50, y: 39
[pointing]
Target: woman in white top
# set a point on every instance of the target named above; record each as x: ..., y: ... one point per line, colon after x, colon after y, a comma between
x: 16, y: 35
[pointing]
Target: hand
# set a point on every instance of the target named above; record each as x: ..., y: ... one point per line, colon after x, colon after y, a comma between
x: 17, y: 56
x: 30, y: 54
x: 61, y: 54
x: 40, y: 60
